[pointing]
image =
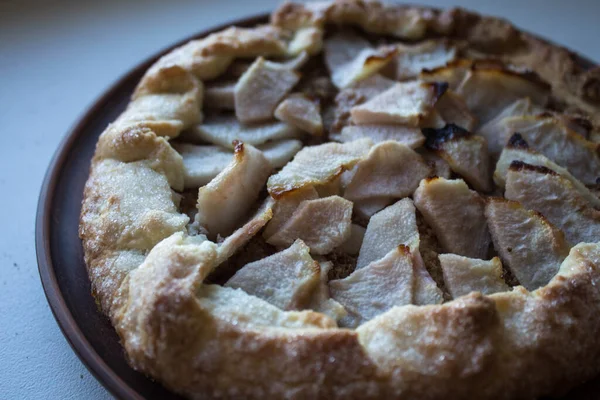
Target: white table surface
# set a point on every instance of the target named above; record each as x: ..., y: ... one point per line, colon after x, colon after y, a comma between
x: 56, y: 57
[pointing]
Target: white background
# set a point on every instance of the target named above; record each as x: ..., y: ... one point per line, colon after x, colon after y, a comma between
x: 56, y: 57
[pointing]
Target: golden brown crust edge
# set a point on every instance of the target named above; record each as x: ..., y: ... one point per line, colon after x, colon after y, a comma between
x: 509, y: 345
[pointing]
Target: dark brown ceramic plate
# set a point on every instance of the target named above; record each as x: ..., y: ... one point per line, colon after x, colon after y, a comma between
x: 60, y: 254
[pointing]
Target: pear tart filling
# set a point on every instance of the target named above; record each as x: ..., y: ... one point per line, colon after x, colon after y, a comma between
x: 296, y: 180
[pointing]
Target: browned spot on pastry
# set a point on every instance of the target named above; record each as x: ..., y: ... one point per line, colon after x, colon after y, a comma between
x: 452, y: 64
x: 516, y: 141
x: 436, y: 137
x: 517, y: 165
x: 377, y: 59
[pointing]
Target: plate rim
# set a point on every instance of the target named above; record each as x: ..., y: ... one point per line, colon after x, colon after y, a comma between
x: 68, y: 325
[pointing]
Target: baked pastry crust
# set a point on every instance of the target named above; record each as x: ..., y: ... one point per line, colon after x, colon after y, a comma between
x: 202, y: 340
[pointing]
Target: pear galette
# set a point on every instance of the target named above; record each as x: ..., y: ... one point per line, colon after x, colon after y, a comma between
x: 354, y: 201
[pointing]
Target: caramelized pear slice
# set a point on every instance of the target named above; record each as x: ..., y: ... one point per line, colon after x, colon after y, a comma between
x: 464, y: 275
x: 456, y: 215
x: 530, y: 246
x: 556, y: 198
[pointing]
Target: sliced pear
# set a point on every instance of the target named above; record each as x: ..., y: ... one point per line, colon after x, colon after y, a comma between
x: 376, y: 288
x: 466, y: 154
x: 517, y: 149
x: 318, y: 165
x: 464, y: 275
x: 238, y: 239
x: 494, y: 129
x: 456, y: 215
x: 439, y: 166
x: 354, y: 95
x: 354, y: 242
x: 551, y: 137
x: 390, y: 227
x: 323, y: 224
x: 286, y: 279
x: 390, y: 170
x: 224, y: 129
x: 556, y: 198
x: 488, y: 91
x: 406, y: 135
x: 302, y: 112
x: 260, y: 89
x: 220, y: 96
x: 430, y: 54
x: 285, y: 206
x: 452, y: 109
x: 404, y: 103
x: 203, y: 163
x: 321, y: 300
x: 368, y: 207
x: 226, y: 200
x: 393, y: 226
x: 351, y: 58
x: 528, y: 244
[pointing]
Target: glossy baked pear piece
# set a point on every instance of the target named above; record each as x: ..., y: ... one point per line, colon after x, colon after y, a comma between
x: 406, y: 135
x: 376, y: 288
x: 456, y: 215
x: 517, y: 149
x: 530, y: 246
x: 452, y: 109
x: 220, y: 96
x: 286, y: 279
x: 556, y: 198
x: 280, y: 152
x: 203, y: 163
x: 351, y: 58
x: 489, y: 91
x: 390, y: 227
x: 429, y: 54
x: 356, y: 94
x: 226, y: 200
x: 404, y: 103
x: 551, y: 137
x: 302, y: 112
x: 494, y: 132
x: 464, y: 275
x: 261, y: 88
x: 390, y: 170
x: 317, y: 165
x: 393, y: 226
x: 224, y: 129
x: 467, y: 154
x: 285, y: 206
x: 488, y: 86
x: 323, y: 224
